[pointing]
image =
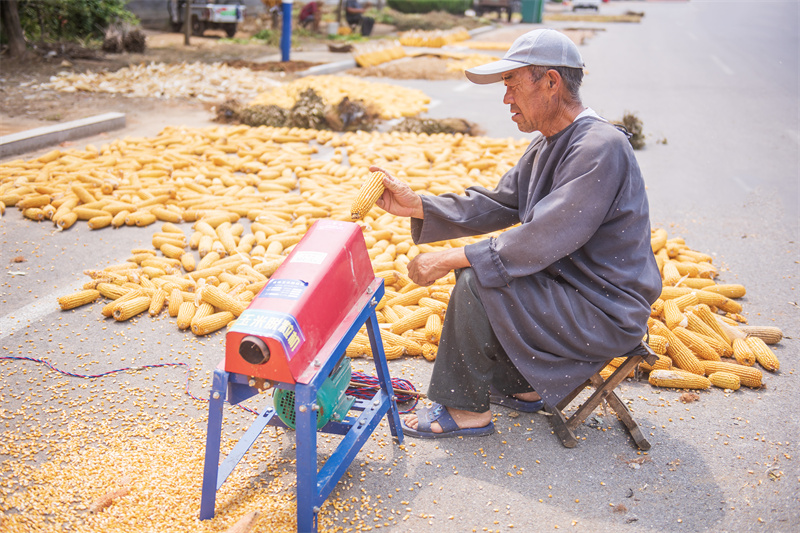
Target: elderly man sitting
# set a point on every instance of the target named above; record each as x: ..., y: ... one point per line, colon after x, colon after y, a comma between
x: 545, y: 304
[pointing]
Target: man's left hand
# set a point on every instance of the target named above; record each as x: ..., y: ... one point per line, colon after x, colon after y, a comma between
x: 427, y: 268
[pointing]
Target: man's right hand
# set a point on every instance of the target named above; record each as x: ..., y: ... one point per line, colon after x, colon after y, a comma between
x: 398, y: 198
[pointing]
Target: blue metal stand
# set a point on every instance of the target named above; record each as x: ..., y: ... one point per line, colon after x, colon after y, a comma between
x: 313, y: 486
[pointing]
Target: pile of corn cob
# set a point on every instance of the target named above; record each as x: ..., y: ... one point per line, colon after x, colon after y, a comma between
x: 391, y: 101
x: 206, y: 82
x: 251, y: 193
x: 434, y: 38
x: 377, y: 52
x: 696, y: 326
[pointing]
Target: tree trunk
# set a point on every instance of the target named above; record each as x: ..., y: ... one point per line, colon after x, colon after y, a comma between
x: 9, y: 13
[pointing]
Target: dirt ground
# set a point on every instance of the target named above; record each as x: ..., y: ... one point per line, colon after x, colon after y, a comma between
x: 21, y: 108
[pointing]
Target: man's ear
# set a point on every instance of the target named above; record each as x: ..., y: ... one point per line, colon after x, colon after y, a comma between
x: 553, y: 78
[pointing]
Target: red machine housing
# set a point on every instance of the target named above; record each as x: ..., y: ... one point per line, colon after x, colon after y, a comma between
x: 303, y: 302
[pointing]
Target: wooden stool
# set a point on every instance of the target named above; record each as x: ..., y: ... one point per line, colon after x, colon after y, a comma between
x: 604, y: 390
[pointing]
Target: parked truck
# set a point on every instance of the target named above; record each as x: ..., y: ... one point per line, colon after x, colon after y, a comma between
x: 207, y: 15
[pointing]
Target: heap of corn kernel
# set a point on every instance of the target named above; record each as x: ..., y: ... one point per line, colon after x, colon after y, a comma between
x: 251, y: 193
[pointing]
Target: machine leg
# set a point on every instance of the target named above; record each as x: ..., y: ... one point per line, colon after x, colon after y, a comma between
x: 382, y: 369
x: 216, y: 405
x: 306, y: 454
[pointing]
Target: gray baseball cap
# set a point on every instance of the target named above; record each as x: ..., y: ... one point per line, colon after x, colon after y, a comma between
x: 543, y: 47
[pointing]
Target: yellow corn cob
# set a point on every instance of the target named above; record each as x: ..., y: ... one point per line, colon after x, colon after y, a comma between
x: 681, y: 356
x: 66, y: 220
x: 433, y: 328
x: 657, y: 309
x: 606, y: 371
x: 670, y: 274
x: 414, y: 320
x: 700, y: 348
x: 212, y: 323
x: 710, y: 318
x: 439, y: 307
x: 411, y: 297
x: 768, y: 334
x: 185, y: 314
x: 111, y: 291
x: 37, y: 200
x: 390, y: 314
x: 663, y: 363
x: 429, y: 351
x: 732, y: 290
x: 125, y: 310
x: 370, y: 191
x: 658, y: 344
x: 658, y: 239
x: 742, y: 352
x: 108, y: 309
x: 71, y: 301
x: 410, y: 347
x: 696, y: 283
x: 187, y: 262
x: 749, y: 376
x: 221, y: 300
x: 678, y: 379
x: 100, y: 221
x: 725, y: 380
x: 672, y: 314
x: 203, y: 310
x: 667, y: 293
x: 696, y: 324
x: 718, y: 300
x: 356, y: 349
x: 171, y: 251
x: 764, y: 355
x: 686, y: 300
x: 175, y: 301
x: 157, y: 302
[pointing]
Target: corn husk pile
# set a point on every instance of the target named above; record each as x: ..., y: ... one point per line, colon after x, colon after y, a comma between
x: 377, y: 52
x: 390, y: 101
x: 434, y: 38
x: 251, y: 193
x: 202, y: 81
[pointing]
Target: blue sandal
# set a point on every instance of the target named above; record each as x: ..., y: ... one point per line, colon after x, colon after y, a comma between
x: 438, y: 413
x: 514, y: 403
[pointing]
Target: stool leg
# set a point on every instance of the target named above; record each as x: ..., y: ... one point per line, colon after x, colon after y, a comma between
x: 625, y: 417
x: 561, y: 428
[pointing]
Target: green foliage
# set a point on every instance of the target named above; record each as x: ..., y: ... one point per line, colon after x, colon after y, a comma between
x: 456, y: 7
x: 71, y: 20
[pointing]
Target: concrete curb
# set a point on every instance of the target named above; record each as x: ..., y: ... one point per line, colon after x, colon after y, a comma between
x: 30, y: 140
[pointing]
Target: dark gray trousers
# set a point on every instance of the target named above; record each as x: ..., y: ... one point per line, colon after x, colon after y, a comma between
x: 470, y: 359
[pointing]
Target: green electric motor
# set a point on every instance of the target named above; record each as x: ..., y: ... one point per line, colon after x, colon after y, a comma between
x: 332, y: 401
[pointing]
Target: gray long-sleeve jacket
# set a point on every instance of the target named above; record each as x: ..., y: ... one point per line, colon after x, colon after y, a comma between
x: 569, y: 286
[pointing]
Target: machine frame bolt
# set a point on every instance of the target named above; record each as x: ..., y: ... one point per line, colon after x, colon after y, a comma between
x: 215, y: 395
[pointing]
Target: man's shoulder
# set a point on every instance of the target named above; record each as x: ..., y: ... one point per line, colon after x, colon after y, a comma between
x: 598, y: 130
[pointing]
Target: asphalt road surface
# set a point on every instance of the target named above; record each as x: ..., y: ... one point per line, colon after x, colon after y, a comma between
x: 715, y: 85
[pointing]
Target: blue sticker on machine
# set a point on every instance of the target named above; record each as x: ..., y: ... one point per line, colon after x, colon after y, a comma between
x: 287, y: 289
x: 279, y: 326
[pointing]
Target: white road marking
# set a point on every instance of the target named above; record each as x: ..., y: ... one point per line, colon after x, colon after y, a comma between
x: 47, y: 304
x: 460, y: 88
x: 433, y: 104
x: 723, y: 67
